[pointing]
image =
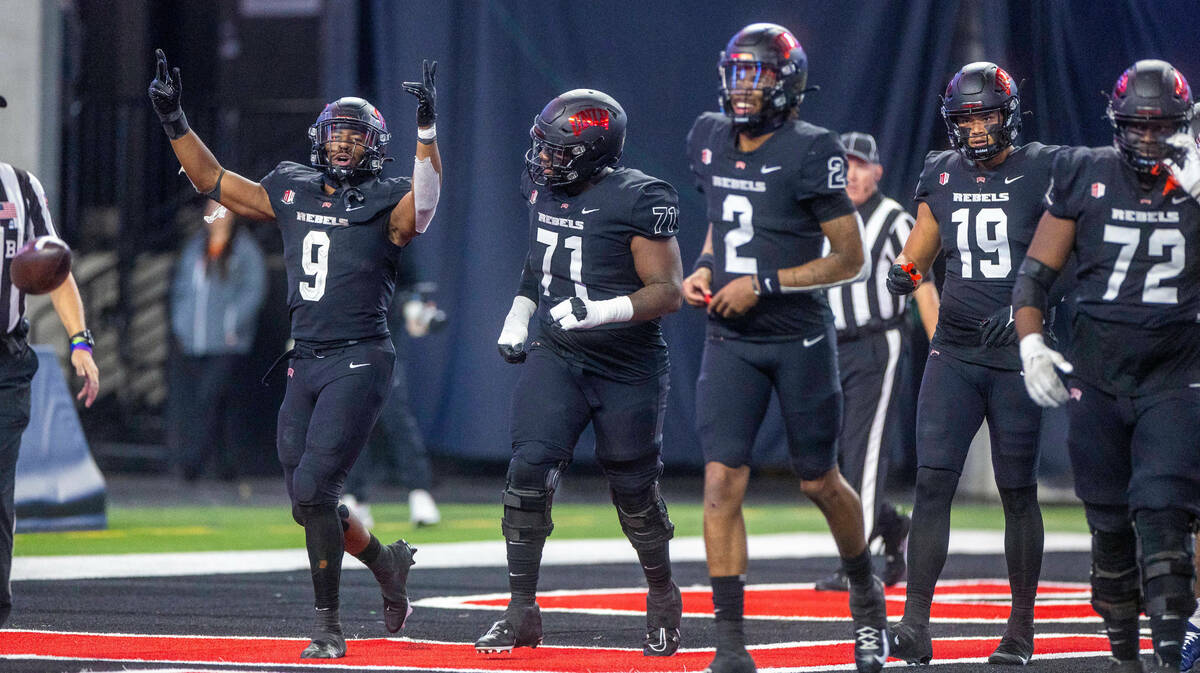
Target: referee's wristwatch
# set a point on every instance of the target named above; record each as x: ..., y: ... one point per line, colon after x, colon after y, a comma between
x: 83, y: 339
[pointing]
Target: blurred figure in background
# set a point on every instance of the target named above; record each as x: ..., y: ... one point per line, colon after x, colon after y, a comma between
x: 216, y: 294
x: 396, y: 450
x: 871, y: 331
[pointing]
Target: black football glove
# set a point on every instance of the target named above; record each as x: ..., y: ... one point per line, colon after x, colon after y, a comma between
x: 998, y: 330
x: 165, y: 93
x: 903, y: 279
x: 425, y: 93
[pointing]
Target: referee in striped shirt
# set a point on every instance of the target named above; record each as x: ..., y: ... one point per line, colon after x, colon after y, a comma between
x: 23, y: 216
x: 870, y: 328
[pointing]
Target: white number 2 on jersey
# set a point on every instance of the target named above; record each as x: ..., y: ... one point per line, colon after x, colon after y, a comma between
x: 737, y: 208
x: 316, y: 265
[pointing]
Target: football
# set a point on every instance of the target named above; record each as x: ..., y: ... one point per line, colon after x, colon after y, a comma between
x: 41, y: 266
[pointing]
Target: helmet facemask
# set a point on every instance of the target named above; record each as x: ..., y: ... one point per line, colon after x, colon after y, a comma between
x: 963, y: 129
x: 343, y: 146
x: 754, y: 96
x: 1144, y: 142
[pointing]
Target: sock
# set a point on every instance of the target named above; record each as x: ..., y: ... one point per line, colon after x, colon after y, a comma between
x: 858, y: 568
x: 656, y: 565
x: 1024, y: 537
x: 729, y: 592
x: 323, y: 538
x: 326, y: 621
x: 371, y: 552
x: 524, y: 566
x: 1195, y: 620
x: 928, y: 541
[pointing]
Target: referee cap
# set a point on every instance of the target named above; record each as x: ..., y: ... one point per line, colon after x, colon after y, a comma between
x: 861, y: 146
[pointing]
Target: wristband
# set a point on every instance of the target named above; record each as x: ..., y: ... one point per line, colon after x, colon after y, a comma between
x: 427, y: 136
x: 705, y: 260
x: 83, y: 337
x: 767, y: 282
x: 80, y: 346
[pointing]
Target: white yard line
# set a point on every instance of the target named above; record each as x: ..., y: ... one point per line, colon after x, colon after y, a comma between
x: 472, y: 555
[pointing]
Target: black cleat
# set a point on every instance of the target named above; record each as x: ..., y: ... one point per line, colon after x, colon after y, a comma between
x: 663, y: 615
x: 834, y: 582
x: 521, y: 627
x: 1012, y: 651
x: 731, y: 661
x: 895, y: 546
x: 911, y: 643
x: 325, y: 645
x: 868, y: 609
x: 1116, y: 665
x: 392, y: 576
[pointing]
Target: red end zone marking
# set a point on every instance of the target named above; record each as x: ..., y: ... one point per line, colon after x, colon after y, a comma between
x: 410, y: 654
x: 975, y: 600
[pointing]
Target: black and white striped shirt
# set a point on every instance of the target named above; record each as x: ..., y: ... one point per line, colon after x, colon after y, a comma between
x: 24, y: 215
x: 867, y: 306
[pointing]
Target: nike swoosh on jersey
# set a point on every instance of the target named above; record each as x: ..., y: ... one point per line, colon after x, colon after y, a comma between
x: 356, y: 366
x: 1176, y: 200
x: 1009, y: 181
x: 586, y: 211
x: 809, y: 342
x: 770, y: 169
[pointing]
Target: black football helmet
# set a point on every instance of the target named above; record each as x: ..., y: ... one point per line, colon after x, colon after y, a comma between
x: 1150, y: 102
x: 979, y: 88
x: 765, y: 57
x: 349, y: 115
x: 578, y: 134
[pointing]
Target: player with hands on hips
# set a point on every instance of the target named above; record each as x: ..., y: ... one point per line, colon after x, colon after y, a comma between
x: 344, y: 228
x: 1129, y: 214
x: 603, y: 267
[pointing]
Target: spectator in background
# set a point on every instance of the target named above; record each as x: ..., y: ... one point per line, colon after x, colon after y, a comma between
x: 870, y: 324
x: 217, y: 292
x: 396, y: 448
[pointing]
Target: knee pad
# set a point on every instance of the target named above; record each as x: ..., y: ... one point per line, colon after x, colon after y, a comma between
x: 1166, y: 561
x: 1019, y: 502
x: 1116, y: 590
x: 936, y: 485
x: 297, y: 514
x: 645, y: 522
x: 527, y: 498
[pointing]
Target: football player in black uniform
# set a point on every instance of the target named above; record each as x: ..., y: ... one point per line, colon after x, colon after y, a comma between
x: 603, y: 267
x: 979, y: 203
x: 343, y: 232
x: 1129, y: 213
x: 776, y: 189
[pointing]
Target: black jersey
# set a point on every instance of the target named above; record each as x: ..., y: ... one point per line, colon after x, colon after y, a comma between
x: 579, y: 246
x: 1138, y: 292
x: 986, y: 219
x: 760, y: 208
x: 341, y: 265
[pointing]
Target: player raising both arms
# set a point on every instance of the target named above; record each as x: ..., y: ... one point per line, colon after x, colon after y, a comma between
x: 1129, y: 212
x: 980, y: 203
x: 775, y: 187
x: 343, y: 229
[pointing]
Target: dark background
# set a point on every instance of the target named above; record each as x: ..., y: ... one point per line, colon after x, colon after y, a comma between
x: 256, y: 74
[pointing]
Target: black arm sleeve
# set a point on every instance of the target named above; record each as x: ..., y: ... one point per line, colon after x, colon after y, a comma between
x: 529, y: 283
x: 1033, y: 284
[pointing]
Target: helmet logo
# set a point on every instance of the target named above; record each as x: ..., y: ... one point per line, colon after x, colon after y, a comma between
x: 1122, y: 84
x: 1003, y: 81
x: 1181, y: 87
x: 786, y: 43
x: 585, y: 119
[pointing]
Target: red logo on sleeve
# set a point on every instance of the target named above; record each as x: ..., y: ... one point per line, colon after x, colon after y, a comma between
x: 1097, y: 190
x: 289, y: 197
x: 943, y: 178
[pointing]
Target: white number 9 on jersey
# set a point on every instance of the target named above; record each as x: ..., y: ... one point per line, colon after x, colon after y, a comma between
x: 316, y: 265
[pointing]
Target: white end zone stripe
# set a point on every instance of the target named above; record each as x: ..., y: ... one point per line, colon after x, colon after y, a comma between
x: 473, y: 555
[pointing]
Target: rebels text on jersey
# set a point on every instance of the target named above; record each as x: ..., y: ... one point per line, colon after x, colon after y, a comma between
x: 1138, y: 291
x: 579, y: 246
x: 341, y: 265
x: 986, y: 219
x: 760, y: 208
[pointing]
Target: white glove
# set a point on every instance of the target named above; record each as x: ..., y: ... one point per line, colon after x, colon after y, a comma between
x: 576, y: 313
x: 516, y: 329
x: 1041, y: 381
x: 1187, y: 174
